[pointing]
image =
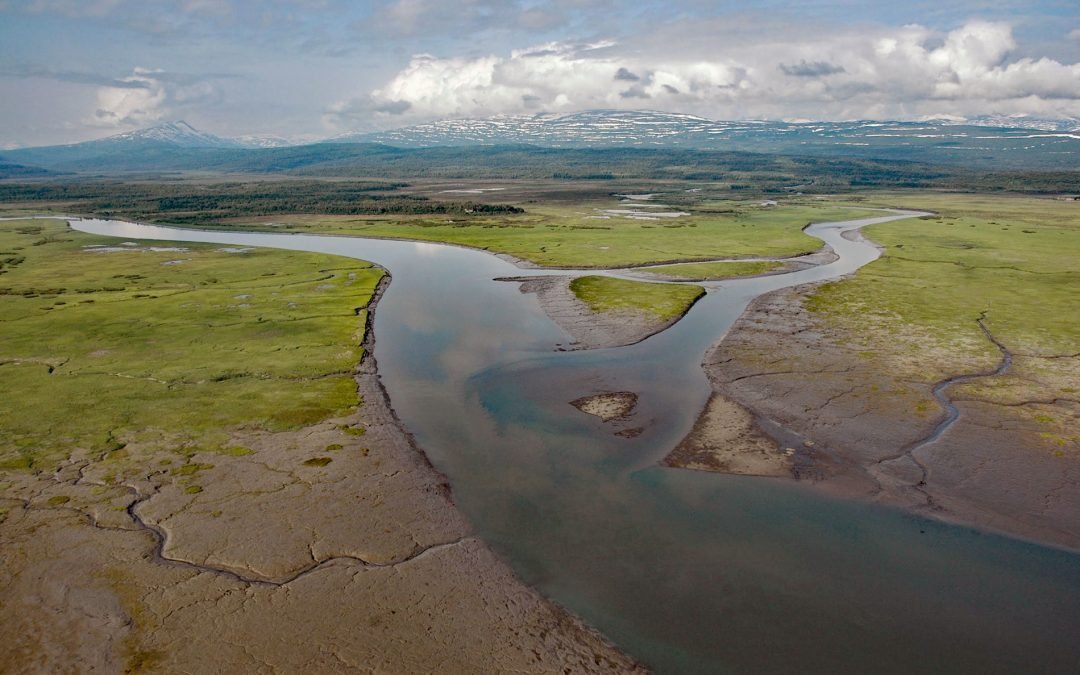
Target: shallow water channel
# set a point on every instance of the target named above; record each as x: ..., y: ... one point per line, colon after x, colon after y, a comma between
x: 688, y: 571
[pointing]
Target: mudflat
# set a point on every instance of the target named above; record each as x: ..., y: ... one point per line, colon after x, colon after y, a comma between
x: 235, y: 509
x: 607, y: 406
x: 726, y: 439
x: 866, y: 426
x: 279, y: 562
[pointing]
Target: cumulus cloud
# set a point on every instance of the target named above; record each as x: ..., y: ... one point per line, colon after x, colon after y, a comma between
x: 898, y: 72
x: 149, y: 95
x: 812, y: 69
x: 554, y: 76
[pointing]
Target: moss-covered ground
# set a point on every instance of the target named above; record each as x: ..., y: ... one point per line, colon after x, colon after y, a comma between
x: 167, y: 347
x: 662, y: 301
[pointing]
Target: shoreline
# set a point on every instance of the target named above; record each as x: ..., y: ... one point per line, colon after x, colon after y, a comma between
x: 327, y: 563
x: 508, y: 257
x: 586, y: 328
x: 588, y: 634
x: 864, y: 460
x: 813, y: 461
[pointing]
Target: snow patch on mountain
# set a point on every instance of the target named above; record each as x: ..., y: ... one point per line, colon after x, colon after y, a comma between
x: 600, y: 128
x: 179, y: 133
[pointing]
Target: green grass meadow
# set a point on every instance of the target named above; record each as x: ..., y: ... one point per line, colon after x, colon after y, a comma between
x: 1017, y: 259
x: 717, y: 270
x: 167, y: 349
x: 662, y: 301
x: 575, y: 236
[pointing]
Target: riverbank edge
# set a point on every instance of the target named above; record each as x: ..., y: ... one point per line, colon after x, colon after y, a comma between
x: 369, y: 360
x: 580, y: 322
x: 832, y: 472
x: 522, y: 263
x: 531, y: 608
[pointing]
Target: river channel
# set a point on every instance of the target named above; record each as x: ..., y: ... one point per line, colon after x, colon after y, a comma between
x: 688, y: 571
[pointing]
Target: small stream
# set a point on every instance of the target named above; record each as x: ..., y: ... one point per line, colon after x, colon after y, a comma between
x: 952, y: 413
x: 688, y: 571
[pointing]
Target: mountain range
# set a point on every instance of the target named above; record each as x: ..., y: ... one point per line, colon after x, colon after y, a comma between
x: 990, y: 142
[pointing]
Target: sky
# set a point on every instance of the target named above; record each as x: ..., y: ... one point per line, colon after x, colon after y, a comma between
x: 75, y: 70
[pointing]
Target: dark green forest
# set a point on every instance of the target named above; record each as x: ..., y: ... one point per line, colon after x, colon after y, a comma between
x: 197, y: 203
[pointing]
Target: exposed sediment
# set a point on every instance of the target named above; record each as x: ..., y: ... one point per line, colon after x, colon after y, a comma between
x: 726, y: 439
x: 608, y: 406
x: 654, y: 272
x: 874, y: 433
x: 586, y: 328
x: 323, y: 550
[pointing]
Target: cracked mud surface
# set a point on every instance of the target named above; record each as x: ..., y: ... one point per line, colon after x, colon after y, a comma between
x: 877, y: 432
x: 321, y: 551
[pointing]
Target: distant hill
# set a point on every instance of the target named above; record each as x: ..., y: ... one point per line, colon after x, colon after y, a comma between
x: 177, y: 134
x: 573, y: 146
x: 13, y: 170
x: 1016, y: 142
x: 160, y: 142
x: 170, y: 145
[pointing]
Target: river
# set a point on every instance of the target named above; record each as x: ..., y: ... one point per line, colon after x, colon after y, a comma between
x: 690, y: 572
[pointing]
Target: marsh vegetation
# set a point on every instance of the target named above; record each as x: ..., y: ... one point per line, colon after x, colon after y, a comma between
x: 661, y: 301
x: 116, y: 346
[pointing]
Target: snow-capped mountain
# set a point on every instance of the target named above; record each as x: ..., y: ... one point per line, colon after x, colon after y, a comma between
x: 652, y: 129
x: 179, y: 134
x: 262, y: 141
x: 602, y: 127
x: 1025, y: 143
x: 168, y: 144
x: 953, y: 140
x: 183, y: 135
x: 1026, y: 122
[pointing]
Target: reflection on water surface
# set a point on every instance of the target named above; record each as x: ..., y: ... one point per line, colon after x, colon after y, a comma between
x: 691, y: 572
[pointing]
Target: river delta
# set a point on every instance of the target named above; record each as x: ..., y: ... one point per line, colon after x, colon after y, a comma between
x: 684, y: 570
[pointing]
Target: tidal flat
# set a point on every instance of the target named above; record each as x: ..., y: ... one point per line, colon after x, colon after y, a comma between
x: 851, y: 365
x: 197, y: 452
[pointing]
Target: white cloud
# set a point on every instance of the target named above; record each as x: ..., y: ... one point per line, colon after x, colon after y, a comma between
x: 885, y: 72
x: 148, y: 96
x: 130, y: 106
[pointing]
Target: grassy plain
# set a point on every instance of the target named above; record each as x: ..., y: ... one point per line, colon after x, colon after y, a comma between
x: 550, y: 223
x: 580, y: 236
x: 718, y: 270
x: 663, y: 301
x: 1014, y: 259
x: 159, y: 346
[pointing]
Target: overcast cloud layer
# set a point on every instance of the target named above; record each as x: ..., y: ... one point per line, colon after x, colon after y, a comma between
x: 73, y: 70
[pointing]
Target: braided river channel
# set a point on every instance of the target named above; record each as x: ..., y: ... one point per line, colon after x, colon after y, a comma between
x: 690, y: 572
